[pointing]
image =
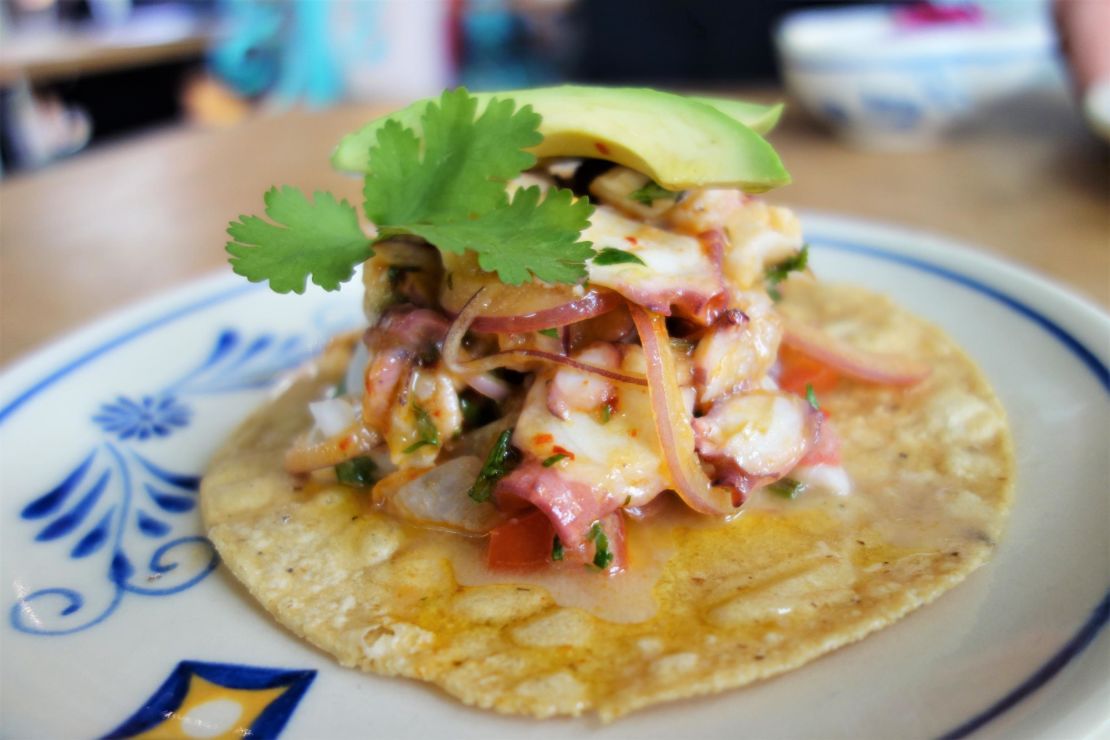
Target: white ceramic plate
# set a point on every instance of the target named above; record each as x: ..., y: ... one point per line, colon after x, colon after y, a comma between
x: 116, y: 616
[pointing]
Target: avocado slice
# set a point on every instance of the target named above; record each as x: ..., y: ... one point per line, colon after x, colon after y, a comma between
x: 678, y: 141
x: 756, y: 116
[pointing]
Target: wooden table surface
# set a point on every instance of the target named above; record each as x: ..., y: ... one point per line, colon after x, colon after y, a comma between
x: 150, y: 36
x: 115, y: 225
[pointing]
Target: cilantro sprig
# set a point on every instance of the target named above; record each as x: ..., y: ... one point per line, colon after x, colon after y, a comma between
x: 811, y: 397
x: 319, y: 237
x: 787, y: 488
x: 603, y: 557
x: 427, y: 433
x: 501, y: 460
x: 651, y: 192
x: 614, y: 256
x: 358, y: 471
x: 775, y: 274
x: 445, y: 184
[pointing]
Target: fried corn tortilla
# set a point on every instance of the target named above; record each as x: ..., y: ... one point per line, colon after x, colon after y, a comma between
x: 711, y: 605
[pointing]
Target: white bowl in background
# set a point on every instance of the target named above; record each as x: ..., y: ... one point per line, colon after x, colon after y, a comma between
x: 884, y: 84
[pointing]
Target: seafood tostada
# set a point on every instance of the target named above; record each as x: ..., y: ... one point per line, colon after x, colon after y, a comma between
x: 605, y: 441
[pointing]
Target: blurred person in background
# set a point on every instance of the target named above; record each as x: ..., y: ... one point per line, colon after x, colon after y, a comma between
x: 1084, y: 27
x: 276, y: 53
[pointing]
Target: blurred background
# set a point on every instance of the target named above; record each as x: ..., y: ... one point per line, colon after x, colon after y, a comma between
x: 76, y: 74
x: 132, y: 131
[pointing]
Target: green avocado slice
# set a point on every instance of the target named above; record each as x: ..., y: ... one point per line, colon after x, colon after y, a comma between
x: 679, y: 142
x: 756, y: 116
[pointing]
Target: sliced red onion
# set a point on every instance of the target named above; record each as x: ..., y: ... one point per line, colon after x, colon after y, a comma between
x: 516, y: 359
x: 873, y: 367
x: 452, y: 344
x: 594, y: 303
x: 489, y: 386
x: 305, y: 456
x: 520, y: 359
x: 673, y: 422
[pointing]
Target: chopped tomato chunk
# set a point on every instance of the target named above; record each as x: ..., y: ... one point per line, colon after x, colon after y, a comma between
x: 800, y: 370
x: 522, y: 542
x: 827, y: 450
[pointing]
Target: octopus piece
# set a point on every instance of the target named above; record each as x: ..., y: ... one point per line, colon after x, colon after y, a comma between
x: 677, y: 276
x: 583, y: 391
x: 736, y: 352
x: 753, y: 439
x: 611, y: 450
x: 758, y: 235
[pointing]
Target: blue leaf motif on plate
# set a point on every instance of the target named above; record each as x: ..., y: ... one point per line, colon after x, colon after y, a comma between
x: 187, y: 482
x: 235, y: 364
x: 66, y: 523
x: 95, y: 538
x: 95, y: 508
x: 170, y: 502
x: 48, y: 503
x: 150, y: 526
x: 105, y: 498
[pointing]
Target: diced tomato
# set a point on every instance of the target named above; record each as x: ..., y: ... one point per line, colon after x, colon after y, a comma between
x: 800, y: 370
x: 827, y: 449
x: 522, y: 542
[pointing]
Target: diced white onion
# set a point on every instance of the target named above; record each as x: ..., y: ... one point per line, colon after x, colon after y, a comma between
x: 832, y: 478
x: 332, y: 415
x: 356, y: 369
x: 439, y: 498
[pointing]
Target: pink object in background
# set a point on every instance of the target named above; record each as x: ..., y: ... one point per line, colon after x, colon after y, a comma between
x: 931, y: 14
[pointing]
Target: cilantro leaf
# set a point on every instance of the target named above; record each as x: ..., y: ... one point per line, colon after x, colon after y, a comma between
x: 501, y: 460
x: 462, y: 168
x: 548, y: 462
x: 556, y: 549
x: 787, y: 488
x: 358, y: 471
x: 811, y: 396
x: 449, y: 189
x: 603, y: 557
x: 319, y: 237
x: 775, y: 274
x: 614, y: 256
x: 445, y: 183
x: 426, y: 429
x: 550, y: 332
x: 525, y: 238
x: 650, y: 193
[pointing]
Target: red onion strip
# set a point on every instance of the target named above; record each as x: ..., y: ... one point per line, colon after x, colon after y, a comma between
x: 848, y: 360
x: 594, y: 303
x: 304, y: 457
x: 452, y: 343
x: 672, y: 422
x: 489, y: 386
x: 513, y: 358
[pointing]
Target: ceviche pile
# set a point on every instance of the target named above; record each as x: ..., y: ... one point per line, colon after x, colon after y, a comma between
x: 543, y: 414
